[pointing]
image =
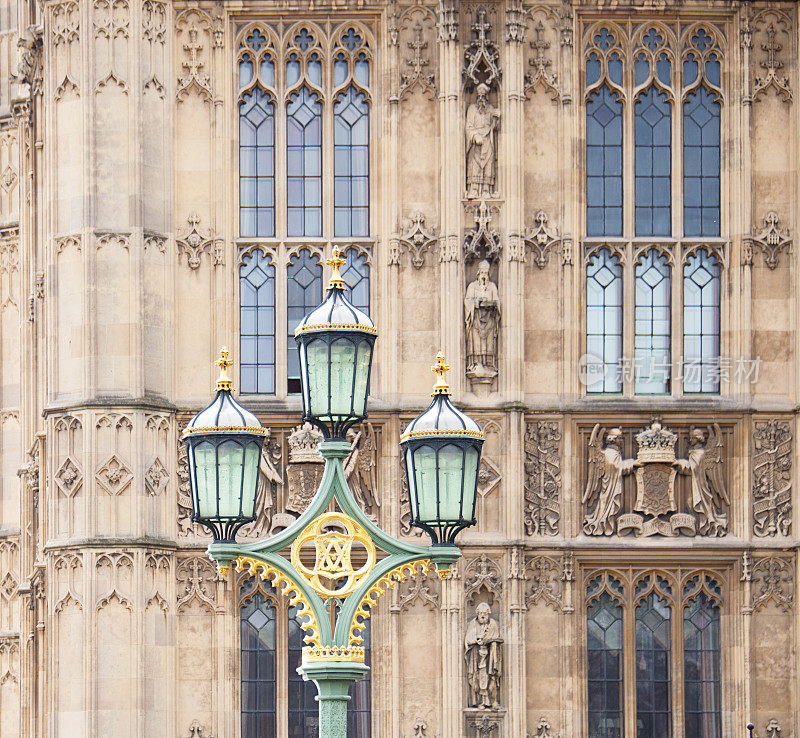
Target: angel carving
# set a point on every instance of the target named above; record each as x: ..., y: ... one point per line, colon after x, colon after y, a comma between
x: 603, y: 496
x: 269, y: 479
x: 359, y: 468
x: 709, y: 497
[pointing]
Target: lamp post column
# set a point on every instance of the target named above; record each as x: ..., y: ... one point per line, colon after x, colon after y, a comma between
x: 333, y: 680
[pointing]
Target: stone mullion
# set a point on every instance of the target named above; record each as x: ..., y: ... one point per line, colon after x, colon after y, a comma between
x: 571, y: 162
x: 394, y: 692
x: 512, y: 267
x: 452, y: 662
x: 515, y: 646
x: 221, y: 284
x: 452, y: 189
x: 387, y: 152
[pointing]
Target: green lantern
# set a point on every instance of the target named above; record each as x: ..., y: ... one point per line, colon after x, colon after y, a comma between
x: 224, y: 450
x: 335, y: 341
x: 442, y: 453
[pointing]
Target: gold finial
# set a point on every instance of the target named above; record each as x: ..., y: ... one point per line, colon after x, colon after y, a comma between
x: 336, y: 262
x: 224, y: 381
x: 440, y: 369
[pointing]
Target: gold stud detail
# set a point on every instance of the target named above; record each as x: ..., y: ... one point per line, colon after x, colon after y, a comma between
x: 440, y: 369
x: 336, y: 262
x: 224, y: 363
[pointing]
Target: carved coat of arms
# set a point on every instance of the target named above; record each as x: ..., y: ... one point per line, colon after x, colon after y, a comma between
x: 656, y: 508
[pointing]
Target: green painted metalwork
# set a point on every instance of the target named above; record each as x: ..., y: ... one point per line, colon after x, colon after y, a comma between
x: 333, y: 678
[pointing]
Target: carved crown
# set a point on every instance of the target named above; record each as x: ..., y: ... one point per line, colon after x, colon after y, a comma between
x: 656, y: 444
x: 304, y: 444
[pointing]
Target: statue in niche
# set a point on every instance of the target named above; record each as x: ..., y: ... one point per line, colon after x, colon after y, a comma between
x: 709, y: 498
x: 484, y: 657
x: 482, y: 319
x: 602, y: 498
x: 481, y: 131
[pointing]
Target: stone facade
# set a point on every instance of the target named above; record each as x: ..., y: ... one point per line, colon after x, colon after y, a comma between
x: 119, y: 258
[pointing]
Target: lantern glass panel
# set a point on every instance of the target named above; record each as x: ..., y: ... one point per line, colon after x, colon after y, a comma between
x: 451, y: 478
x: 362, y: 377
x: 252, y: 456
x: 412, y: 482
x: 231, y: 465
x: 318, y: 390
x: 205, y: 463
x: 343, y: 361
x: 470, y: 480
x: 425, y: 483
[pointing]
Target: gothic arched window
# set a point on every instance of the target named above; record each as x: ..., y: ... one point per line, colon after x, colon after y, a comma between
x: 603, y: 322
x: 701, y: 666
x: 303, y: 294
x: 257, y: 323
x: 303, y: 707
x: 701, y: 322
x: 604, y: 126
x: 653, y: 670
x: 355, y: 274
x: 258, y: 625
x: 304, y: 163
x: 604, y: 651
x: 702, y: 112
x: 652, y: 324
x: 256, y: 136
x: 652, y: 133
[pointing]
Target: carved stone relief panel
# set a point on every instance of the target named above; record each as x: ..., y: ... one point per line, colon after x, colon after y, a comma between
x: 115, y: 482
x: 483, y: 580
x: 770, y: 239
x: 544, y: 581
x: 651, y: 480
x: 418, y: 52
x: 488, y: 501
x: 111, y: 30
x: 156, y: 475
x: 9, y: 668
x: 773, y: 581
x: 69, y: 499
x: 157, y: 580
x: 196, y: 582
x: 542, y: 513
x: 772, y: 478
x: 422, y: 590
x: 114, y: 580
x: 9, y: 584
x: 193, y: 46
x: 772, y: 48
x: 9, y: 183
x: 541, y: 74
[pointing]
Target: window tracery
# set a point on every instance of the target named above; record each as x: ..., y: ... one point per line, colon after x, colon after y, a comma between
x: 672, y: 652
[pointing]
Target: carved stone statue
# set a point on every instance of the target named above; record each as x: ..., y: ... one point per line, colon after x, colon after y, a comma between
x: 482, y: 319
x: 603, y: 496
x: 359, y: 468
x: 709, y: 498
x: 481, y: 132
x: 29, y: 67
x: 484, y: 656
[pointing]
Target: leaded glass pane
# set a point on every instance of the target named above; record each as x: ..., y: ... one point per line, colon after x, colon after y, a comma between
x: 653, y: 652
x: 258, y: 666
x: 303, y: 707
x: 701, y: 323
x: 355, y: 274
x: 605, y: 668
x: 604, y: 163
x: 701, y: 163
x: 653, y: 149
x: 256, y: 163
x: 351, y: 164
x: 257, y: 324
x: 603, y: 322
x: 304, y: 163
x: 303, y: 293
x: 701, y: 659
x: 653, y: 290
x: 359, y: 709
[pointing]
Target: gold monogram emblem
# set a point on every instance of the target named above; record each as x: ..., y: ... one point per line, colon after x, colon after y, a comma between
x: 333, y: 536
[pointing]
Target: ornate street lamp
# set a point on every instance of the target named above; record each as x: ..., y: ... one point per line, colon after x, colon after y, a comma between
x: 442, y: 452
x: 334, y: 555
x: 224, y: 449
x: 335, y: 341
